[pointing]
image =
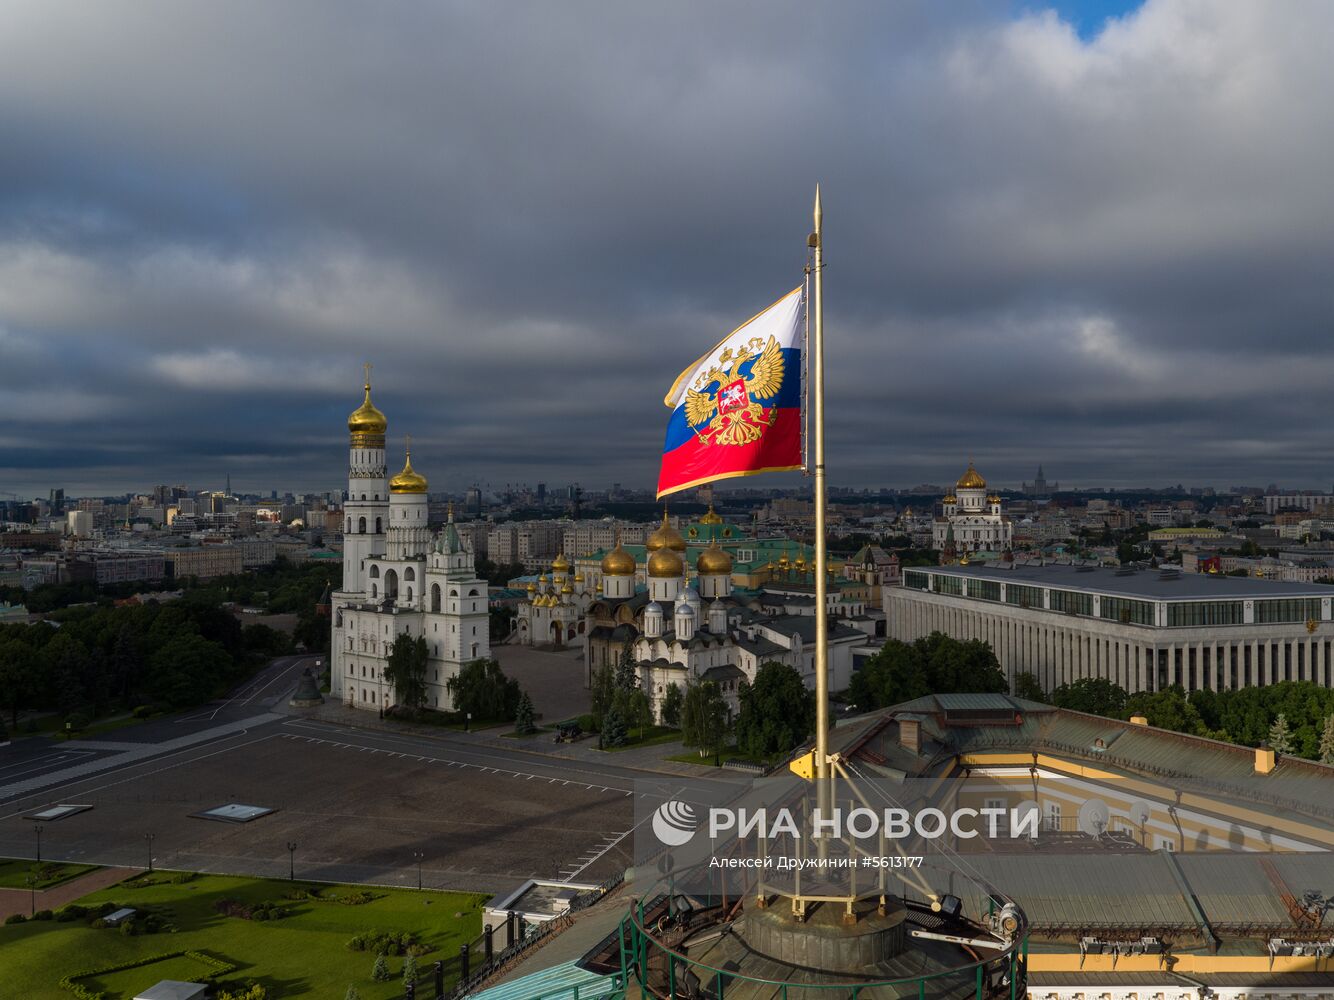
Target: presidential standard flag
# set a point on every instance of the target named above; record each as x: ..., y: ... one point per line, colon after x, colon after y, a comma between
x: 737, y: 410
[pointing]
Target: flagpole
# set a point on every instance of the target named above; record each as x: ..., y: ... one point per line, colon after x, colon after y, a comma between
x: 821, y: 556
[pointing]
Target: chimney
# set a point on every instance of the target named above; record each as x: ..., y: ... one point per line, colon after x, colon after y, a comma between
x: 1264, y: 760
x: 910, y: 735
x: 1138, y: 720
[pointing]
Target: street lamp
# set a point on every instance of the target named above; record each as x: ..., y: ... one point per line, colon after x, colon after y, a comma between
x: 291, y: 861
x: 150, y: 837
x: 419, y: 855
x: 467, y: 723
x: 38, y: 830
x: 32, y: 895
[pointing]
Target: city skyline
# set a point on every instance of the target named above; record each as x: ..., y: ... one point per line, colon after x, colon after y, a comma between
x: 1083, y: 240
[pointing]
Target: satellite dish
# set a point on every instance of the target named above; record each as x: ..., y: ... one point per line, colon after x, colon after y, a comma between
x: 1139, y: 812
x: 1094, y: 817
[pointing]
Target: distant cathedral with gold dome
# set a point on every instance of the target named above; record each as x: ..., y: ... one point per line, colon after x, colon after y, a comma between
x: 399, y: 578
x: 971, y: 519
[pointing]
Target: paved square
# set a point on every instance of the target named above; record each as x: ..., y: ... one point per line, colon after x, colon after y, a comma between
x: 360, y: 807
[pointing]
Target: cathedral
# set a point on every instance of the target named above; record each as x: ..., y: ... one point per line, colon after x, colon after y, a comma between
x: 686, y: 627
x: 554, y: 609
x: 971, y: 520
x: 399, y: 578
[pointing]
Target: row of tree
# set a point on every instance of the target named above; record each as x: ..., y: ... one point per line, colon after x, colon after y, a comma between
x: 101, y: 659
x: 774, y: 713
x: 1293, y: 717
x: 934, y: 664
x: 480, y: 690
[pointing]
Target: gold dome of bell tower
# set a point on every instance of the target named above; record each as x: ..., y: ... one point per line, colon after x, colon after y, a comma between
x: 409, y: 480
x: 366, y: 424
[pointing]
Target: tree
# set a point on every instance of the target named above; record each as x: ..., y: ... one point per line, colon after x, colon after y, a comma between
x: 1327, y: 741
x: 903, y: 671
x: 524, y: 723
x: 602, y: 691
x: 627, y: 677
x: 704, y: 718
x: 406, y: 670
x: 1026, y: 685
x: 187, y: 670
x: 636, y: 710
x: 380, y: 970
x: 352, y: 993
x: 1167, y: 709
x: 1094, y: 695
x: 481, y: 688
x: 410, y: 969
x: 613, y: 728
x: 777, y: 712
x: 671, y: 705
x: 1280, y: 737
x: 18, y: 677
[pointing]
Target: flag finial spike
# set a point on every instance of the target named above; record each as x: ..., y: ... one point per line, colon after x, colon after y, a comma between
x: 819, y: 213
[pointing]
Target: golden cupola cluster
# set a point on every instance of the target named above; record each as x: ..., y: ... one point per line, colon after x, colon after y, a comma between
x: 665, y: 547
x: 711, y: 517
x: 971, y: 480
x: 714, y: 561
x: 366, y: 424
x: 409, y: 480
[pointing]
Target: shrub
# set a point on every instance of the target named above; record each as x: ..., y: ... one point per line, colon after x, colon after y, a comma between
x: 43, y: 915
x: 97, y: 924
x: 142, y: 711
x: 382, y: 942
x: 16, y: 918
x: 380, y: 970
x: 266, y: 910
x: 71, y: 912
x: 351, y: 994
x: 410, y: 969
x: 588, y: 723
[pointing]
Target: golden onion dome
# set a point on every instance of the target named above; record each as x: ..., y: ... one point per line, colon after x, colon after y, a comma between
x: 712, y: 517
x: 409, y: 480
x: 971, y: 480
x: 950, y: 499
x: 666, y: 564
x: 666, y: 537
x: 542, y: 580
x: 366, y: 419
x: 782, y: 560
x: 713, y: 560
x: 532, y: 587
x: 578, y: 578
x: 567, y: 589
x: 560, y: 564
x: 993, y: 499
x: 618, y: 562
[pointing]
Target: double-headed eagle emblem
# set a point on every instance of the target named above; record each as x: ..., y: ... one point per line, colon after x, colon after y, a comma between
x: 724, y: 400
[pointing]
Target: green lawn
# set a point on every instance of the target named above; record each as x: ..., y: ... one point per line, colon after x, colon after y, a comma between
x: 302, y: 955
x: 14, y: 874
x: 653, y: 735
x: 731, y: 753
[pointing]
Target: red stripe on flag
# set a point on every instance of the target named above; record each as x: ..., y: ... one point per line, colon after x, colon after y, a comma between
x: 696, y: 462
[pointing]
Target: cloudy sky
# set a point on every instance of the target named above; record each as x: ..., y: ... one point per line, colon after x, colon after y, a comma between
x: 1097, y: 236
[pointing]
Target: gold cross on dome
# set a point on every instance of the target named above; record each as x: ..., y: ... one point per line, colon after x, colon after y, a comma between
x: 368, y: 367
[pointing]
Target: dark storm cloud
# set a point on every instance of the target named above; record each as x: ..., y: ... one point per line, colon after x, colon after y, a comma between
x: 1103, y: 250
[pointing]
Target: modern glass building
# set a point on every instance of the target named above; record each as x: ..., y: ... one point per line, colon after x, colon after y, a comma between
x: 1145, y: 629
